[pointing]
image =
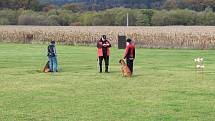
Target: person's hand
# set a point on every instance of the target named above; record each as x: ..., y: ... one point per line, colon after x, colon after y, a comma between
x: 104, y: 45
x: 124, y: 59
x: 131, y: 58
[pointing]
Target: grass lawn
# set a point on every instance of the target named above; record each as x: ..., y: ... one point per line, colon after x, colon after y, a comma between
x: 165, y: 86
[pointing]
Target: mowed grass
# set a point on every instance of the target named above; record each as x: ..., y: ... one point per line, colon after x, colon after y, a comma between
x: 165, y: 86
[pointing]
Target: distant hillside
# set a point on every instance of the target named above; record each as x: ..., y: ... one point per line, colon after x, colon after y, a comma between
x: 88, y: 5
x: 110, y: 3
x: 59, y: 2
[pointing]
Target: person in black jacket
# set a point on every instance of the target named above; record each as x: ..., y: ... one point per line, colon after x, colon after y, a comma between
x: 52, y: 57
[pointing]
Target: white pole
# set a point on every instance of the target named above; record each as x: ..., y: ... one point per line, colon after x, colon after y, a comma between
x: 127, y: 20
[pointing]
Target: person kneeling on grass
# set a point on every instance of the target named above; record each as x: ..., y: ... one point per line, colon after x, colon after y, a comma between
x: 52, y: 57
x: 130, y: 54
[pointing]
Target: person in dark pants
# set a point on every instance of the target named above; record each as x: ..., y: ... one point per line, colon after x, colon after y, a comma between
x: 103, y: 46
x: 130, y: 54
x: 52, y: 57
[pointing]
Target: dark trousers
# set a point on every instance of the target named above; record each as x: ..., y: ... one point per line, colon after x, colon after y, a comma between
x: 106, y: 58
x: 130, y: 64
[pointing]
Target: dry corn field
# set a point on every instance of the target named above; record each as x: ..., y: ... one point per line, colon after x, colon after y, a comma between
x: 194, y: 37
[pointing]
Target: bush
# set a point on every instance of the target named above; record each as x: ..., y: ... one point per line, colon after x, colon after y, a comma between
x: 26, y: 20
x: 110, y: 17
x: 65, y: 17
x: 86, y: 19
x: 8, y: 16
x: 206, y: 18
x: 174, y: 17
x: 4, y: 21
x: 144, y: 17
x: 53, y: 20
x: 35, y: 20
x: 120, y: 18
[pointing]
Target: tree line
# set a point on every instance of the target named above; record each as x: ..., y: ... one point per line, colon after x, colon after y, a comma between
x: 170, y: 12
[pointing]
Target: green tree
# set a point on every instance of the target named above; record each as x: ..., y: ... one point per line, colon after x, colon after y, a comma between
x: 206, y: 18
x: 17, y: 4
x: 74, y: 7
x: 4, y: 21
x: 120, y: 16
x: 198, y: 5
x: 144, y: 17
x: 174, y: 17
x: 65, y: 18
x: 9, y: 15
x: 86, y: 19
x: 170, y: 4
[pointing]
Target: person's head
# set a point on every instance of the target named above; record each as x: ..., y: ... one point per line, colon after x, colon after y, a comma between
x: 52, y: 42
x: 103, y: 37
x: 128, y: 41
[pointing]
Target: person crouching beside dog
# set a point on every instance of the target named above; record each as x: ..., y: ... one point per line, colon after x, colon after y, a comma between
x: 103, y: 46
x: 129, y: 54
x: 52, y: 57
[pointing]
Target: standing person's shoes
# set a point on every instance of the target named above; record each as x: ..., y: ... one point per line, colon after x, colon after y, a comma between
x: 106, y: 70
x: 100, y: 68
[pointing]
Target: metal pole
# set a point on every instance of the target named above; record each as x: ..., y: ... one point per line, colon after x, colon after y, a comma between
x: 127, y: 20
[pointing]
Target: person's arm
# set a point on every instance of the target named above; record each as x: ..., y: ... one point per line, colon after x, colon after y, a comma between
x: 134, y: 53
x: 48, y: 48
x: 126, y: 52
x: 54, y: 50
x: 109, y: 45
x: 99, y: 44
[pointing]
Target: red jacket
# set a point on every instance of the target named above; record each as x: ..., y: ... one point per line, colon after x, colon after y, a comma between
x: 100, y: 47
x: 130, y: 51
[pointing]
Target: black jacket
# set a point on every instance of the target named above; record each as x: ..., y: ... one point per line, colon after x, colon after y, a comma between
x: 51, y: 51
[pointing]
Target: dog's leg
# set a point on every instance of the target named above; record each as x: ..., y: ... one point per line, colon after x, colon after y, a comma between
x: 122, y: 71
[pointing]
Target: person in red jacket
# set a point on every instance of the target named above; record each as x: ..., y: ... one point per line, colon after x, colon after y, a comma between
x: 103, y: 46
x: 130, y: 54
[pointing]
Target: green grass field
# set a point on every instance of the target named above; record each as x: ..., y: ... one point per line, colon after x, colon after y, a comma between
x: 165, y: 86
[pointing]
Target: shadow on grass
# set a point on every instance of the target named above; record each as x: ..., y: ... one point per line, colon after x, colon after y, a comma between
x: 137, y: 75
x: 210, y: 73
x: 39, y: 72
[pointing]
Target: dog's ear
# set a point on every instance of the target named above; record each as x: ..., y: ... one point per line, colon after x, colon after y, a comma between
x: 120, y: 61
